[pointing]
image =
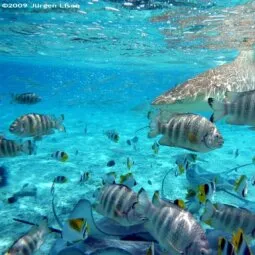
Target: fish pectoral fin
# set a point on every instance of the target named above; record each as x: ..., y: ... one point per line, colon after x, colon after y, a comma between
x: 118, y: 213
x: 174, y: 248
x: 164, y: 140
x: 192, y: 138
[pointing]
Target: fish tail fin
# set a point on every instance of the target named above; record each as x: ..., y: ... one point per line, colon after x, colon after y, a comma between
x: 191, y: 193
x: 151, y: 249
x: 154, y: 127
x: 60, y: 125
x: 43, y: 225
x: 208, y: 213
x: 219, y: 109
x: 29, y: 147
x: 143, y: 201
x: 247, y: 56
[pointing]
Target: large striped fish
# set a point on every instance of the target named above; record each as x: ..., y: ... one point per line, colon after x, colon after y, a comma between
x: 36, y: 125
x: 193, y: 94
x: 117, y: 202
x: 11, y: 148
x: 31, y: 241
x: 229, y: 218
x: 26, y: 98
x: 186, y: 130
x: 175, y: 229
x: 238, y: 107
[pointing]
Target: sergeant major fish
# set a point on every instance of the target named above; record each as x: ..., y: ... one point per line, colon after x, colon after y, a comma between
x: 175, y: 229
x: 26, y: 98
x: 189, y: 131
x: 30, y: 242
x: 229, y: 218
x: 238, y: 107
x: 11, y: 148
x: 117, y: 202
x: 34, y: 124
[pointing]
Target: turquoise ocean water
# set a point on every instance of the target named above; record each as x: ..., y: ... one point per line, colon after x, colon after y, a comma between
x: 101, y: 65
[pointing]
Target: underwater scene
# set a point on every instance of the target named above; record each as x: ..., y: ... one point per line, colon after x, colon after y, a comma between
x: 127, y: 127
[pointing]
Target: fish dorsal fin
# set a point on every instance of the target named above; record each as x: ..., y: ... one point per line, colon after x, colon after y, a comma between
x: 156, y: 198
x: 246, y: 57
x: 142, y: 201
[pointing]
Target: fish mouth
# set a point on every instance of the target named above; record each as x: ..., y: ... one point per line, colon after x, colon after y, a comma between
x: 163, y: 100
x: 221, y: 143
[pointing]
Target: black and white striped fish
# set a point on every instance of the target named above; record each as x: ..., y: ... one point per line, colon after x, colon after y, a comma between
x: 225, y: 247
x: 229, y: 218
x: 113, y: 135
x: 117, y: 202
x: 26, y: 98
x: 175, y: 229
x: 189, y: 131
x: 11, y: 148
x: 240, y: 243
x: 36, y: 125
x: 31, y: 241
x: 60, y: 156
x: 239, y: 107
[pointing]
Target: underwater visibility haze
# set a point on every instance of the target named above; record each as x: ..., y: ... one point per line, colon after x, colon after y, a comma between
x: 127, y: 127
